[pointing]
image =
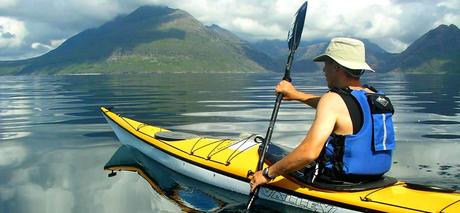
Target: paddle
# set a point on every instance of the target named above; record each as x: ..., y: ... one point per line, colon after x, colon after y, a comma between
x: 294, y: 36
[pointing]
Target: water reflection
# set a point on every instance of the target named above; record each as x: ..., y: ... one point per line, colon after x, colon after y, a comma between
x: 188, y: 194
x: 54, y: 141
x: 435, y: 93
x: 168, y: 183
x: 12, y: 154
x: 440, y: 168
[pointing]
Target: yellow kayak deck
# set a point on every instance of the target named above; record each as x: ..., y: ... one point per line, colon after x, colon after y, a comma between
x: 236, y: 158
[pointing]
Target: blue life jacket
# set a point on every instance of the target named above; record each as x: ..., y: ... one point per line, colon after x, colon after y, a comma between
x: 369, y: 151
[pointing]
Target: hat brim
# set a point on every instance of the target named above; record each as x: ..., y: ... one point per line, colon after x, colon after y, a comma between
x: 347, y: 64
x: 320, y: 58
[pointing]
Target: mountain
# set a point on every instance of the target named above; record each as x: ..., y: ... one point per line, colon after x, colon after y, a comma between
x: 278, y: 51
x: 376, y: 57
x: 435, y: 52
x: 252, y: 53
x: 150, y: 39
x: 161, y: 39
x: 274, y: 48
x: 225, y: 34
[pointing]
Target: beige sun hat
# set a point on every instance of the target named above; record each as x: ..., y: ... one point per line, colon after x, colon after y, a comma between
x: 348, y: 52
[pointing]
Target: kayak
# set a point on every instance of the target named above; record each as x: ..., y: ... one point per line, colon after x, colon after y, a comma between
x: 226, y: 164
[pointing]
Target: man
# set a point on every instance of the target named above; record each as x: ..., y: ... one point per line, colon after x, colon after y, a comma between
x: 350, y: 139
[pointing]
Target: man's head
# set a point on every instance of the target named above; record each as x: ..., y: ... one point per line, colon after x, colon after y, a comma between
x: 345, y: 54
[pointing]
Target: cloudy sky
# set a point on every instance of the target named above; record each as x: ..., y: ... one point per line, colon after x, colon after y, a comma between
x: 30, y: 28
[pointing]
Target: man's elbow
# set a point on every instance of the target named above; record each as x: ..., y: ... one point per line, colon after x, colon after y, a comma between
x: 309, y: 152
x: 310, y: 156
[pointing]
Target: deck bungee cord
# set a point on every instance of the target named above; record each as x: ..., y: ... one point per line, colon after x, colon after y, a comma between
x: 220, y: 144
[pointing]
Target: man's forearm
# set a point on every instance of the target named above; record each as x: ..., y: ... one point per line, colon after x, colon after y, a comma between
x: 292, y: 162
x: 309, y: 99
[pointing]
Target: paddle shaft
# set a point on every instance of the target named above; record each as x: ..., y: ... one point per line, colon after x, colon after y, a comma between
x: 276, y: 109
x: 294, y: 36
x: 271, y: 126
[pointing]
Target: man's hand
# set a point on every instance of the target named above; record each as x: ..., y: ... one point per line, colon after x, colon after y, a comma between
x: 288, y: 90
x: 257, y: 179
x: 291, y: 93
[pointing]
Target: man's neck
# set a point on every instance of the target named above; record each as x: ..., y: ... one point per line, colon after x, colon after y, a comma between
x: 351, y: 83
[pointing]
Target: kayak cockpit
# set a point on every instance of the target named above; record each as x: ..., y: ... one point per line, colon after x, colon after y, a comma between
x: 277, y: 152
x: 174, y: 136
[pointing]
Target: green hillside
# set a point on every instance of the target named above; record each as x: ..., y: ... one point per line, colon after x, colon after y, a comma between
x: 278, y: 51
x: 436, y: 52
x: 151, y: 39
x: 161, y: 39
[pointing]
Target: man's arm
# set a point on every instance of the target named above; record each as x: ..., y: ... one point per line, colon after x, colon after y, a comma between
x: 311, y: 146
x: 291, y: 93
x: 309, y: 99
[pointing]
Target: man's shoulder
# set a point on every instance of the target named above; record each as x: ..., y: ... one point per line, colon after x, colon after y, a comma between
x: 330, y: 96
x: 330, y: 100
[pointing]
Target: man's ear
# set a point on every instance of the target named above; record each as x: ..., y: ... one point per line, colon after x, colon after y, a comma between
x: 337, y: 67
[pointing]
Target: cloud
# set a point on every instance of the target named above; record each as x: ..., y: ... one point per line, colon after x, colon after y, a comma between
x: 53, y: 20
x: 56, y: 42
x: 37, y: 45
x: 12, y: 155
x: 250, y: 19
x: 7, y: 35
x: 35, y: 198
x: 7, y: 3
x: 392, y: 24
x: 12, y: 32
x: 69, y: 180
x: 450, y: 4
x: 47, y: 47
x: 119, y: 194
x: 449, y: 18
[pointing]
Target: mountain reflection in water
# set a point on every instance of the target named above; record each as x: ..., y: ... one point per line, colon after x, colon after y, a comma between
x: 54, y: 140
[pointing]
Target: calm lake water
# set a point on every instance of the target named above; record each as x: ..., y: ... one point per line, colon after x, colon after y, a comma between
x: 54, y: 142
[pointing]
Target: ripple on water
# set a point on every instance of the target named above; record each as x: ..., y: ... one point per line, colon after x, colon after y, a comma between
x: 439, y: 122
x: 13, y: 135
x: 442, y: 136
x: 445, y: 167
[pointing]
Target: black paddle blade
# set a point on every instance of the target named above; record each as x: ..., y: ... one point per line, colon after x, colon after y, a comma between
x: 295, y: 33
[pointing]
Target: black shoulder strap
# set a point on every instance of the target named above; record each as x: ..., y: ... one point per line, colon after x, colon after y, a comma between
x: 344, y: 91
x: 370, y: 87
x: 353, y: 106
